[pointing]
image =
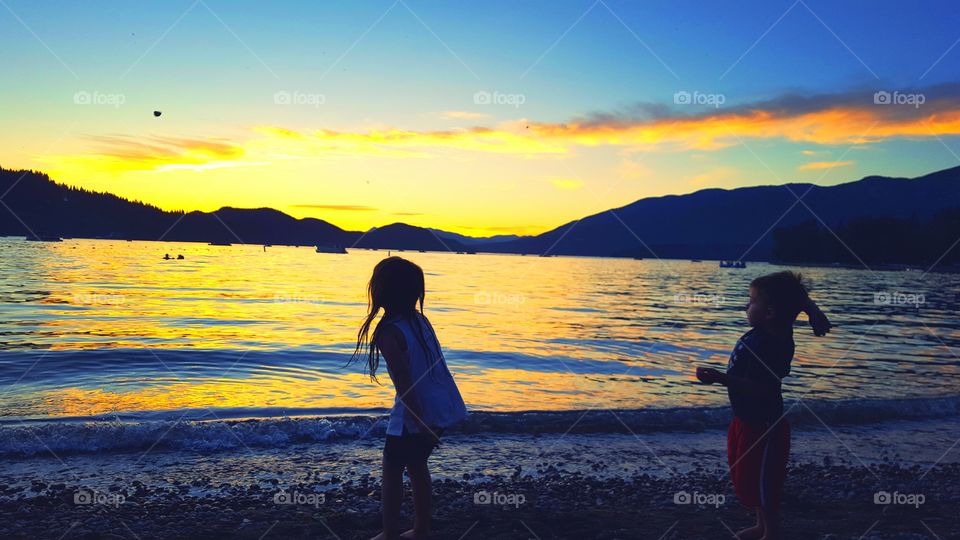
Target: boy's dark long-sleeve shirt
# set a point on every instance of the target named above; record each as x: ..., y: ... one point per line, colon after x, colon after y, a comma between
x: 762, y: 358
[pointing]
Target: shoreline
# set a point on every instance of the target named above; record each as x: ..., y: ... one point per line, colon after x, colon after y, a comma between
x: 196, y: 430
x: 575, y: 485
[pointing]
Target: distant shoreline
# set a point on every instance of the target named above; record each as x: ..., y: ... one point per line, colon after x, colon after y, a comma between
x: 885, y: 267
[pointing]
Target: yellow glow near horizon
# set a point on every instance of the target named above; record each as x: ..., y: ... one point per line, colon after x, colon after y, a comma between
x: 517, y: 177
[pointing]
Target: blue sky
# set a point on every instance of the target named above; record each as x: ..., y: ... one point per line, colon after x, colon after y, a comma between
x: 214, y: 68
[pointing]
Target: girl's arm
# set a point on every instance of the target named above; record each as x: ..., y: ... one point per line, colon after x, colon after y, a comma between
x: 393, y: 346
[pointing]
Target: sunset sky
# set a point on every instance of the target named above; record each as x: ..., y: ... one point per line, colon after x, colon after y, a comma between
x: 476, y: 117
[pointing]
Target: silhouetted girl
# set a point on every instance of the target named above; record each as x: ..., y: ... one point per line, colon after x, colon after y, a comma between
x: 427, y: 400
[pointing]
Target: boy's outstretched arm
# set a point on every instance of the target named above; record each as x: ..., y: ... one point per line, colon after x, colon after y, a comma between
x: 818, y: 320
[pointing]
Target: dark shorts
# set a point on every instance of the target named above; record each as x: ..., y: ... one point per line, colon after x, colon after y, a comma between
x: 757, y: 454
x: 409, y: 447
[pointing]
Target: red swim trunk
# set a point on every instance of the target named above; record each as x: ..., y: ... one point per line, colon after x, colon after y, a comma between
x: 757, y: 454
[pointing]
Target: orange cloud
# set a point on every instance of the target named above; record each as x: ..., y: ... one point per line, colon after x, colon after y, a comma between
x: 347, y: 207
x: 836, y: 125
x: 841, y: 119
x: 409, y: 143
x: 119, y: 153
x: 820, y: 165
x: 465, y: 115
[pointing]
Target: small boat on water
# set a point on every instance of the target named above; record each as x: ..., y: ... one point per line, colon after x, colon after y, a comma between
x: 330, y: 249
x: 733, y: 264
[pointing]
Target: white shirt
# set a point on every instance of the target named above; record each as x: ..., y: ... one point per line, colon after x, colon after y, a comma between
x: 433, y: 385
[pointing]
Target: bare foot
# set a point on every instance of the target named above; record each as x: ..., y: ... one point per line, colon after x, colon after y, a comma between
x: 413, y: 535
x: 751, y: 533
x: 380, y: 536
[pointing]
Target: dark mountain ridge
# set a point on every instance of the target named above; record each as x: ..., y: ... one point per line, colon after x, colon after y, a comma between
x: 708, y: 224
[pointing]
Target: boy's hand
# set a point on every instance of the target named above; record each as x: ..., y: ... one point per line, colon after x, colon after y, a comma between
x: 818, y: 321
x: 709, y: 375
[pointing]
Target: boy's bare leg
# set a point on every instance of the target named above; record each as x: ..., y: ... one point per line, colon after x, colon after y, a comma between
x: 771, y: 520
x: 391, y: 496
x: 422, y: 500
x: 757, y: 531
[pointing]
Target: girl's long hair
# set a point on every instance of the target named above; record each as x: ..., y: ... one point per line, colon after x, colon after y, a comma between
x: 397, y: 287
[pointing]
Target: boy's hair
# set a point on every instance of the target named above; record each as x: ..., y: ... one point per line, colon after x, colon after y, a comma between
x: 785, y: 291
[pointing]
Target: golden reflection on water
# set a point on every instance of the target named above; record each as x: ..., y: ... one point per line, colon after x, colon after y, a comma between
x: 519, y: 333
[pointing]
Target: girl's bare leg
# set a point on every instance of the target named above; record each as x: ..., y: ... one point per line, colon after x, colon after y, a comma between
x: 422, y: 486
x: 391, y: 495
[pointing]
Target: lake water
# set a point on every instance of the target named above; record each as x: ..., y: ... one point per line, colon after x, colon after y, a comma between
x: 97, y: 327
